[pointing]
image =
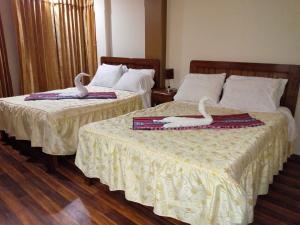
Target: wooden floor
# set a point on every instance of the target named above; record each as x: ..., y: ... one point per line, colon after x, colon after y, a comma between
x: 29, y: 195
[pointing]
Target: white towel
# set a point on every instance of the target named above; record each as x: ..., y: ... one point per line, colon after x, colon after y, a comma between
x: 173, y: 122
x: 82, y: 91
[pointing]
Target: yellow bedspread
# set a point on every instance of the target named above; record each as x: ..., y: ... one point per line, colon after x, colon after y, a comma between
x: 198, y: 176
x: 54, y: 124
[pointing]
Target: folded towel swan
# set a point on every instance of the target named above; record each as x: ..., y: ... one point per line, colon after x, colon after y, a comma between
x: 82, y: 91
x: 173, y: 122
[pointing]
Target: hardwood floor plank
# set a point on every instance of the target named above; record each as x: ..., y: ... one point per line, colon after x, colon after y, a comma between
x: 262, y: 218
x: 282, y: 200
x: 119, y: 218
x: 7, y: 217
x: 6, y: 183
x: 279, y: 212
x: 48, y: 202
x: 286, y: 190
x: 66, y: 189
x: 21, y: 212
x: 290, y: 181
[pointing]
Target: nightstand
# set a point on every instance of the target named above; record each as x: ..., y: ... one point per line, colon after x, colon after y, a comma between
x: 161, y: 95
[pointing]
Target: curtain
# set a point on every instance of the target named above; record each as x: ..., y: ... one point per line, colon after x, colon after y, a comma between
x: 37, y: 46
x: 5, y: 79
x: 57, y: 40
x: 76, y: 38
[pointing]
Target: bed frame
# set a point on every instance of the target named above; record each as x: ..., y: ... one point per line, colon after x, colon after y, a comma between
x: 290, y: 72
x: 51, y: 161
x: 136, y: 63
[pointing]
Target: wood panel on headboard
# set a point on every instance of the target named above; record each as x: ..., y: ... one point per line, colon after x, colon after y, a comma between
x: 290, y: 72
x: 136, y: 63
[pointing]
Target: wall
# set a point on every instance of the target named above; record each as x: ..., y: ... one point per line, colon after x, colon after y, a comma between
x: 100, y: 21
x: 120, y: 27
x: 128, y: 28
x: 11, y: 44
x: 265, y: 31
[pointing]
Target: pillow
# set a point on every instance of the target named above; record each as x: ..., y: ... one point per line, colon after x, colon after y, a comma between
x: 124, y: 69
x: 257, y: 94
x: 281, y: 84
x: 196, y: 86
x: 149, y: 72
x: 107, y: 75
x: 135, y: 81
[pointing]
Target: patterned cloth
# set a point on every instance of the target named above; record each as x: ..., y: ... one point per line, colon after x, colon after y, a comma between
x: 53, y: 125
x: 59, y: 96
x: 202, y: 177
x: 220, y: 122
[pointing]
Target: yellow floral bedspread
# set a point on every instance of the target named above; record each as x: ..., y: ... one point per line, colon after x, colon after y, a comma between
x: 54, y: 124
x: 197, y: 176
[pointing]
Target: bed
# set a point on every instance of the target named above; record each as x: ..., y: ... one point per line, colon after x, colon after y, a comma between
x: 197, y: 176
x: 53, y: 125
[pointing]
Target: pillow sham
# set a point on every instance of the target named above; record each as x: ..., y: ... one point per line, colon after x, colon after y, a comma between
x: 257, y: 94
x: 280, y: 82
x: 149, y: 72
x: 135, y: 81
x: 124, y: 69
x: 107, y: 75
x: 196, y: 86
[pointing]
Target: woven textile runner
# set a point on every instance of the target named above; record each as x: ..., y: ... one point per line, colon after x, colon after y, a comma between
x: 59, y: 96
x: 220, y: 122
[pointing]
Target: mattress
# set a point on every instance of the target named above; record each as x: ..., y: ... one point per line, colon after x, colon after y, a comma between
x: 197, y: 176
x: 54, y: 124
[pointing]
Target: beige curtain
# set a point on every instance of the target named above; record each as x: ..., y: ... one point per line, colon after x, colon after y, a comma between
x: 57, y: 40
x: 76, y: 38
x: 5, y: 79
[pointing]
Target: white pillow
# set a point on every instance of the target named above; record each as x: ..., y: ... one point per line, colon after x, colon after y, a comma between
x: 196, y: 86
x: 257, y: 94
x: 124, y: 69
x: 150, y: 72
x: 107, y: 75
x: 281, y: 84
x: 135, y: 81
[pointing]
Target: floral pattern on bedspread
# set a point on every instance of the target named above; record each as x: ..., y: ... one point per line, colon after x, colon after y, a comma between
x: 197, y: 176
x: 54, y: 124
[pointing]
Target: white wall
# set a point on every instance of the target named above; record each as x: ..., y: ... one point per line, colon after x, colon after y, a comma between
x: 127, y: 28
x: 99, y: 8
x: 266, y: 31
x: 11, y: 44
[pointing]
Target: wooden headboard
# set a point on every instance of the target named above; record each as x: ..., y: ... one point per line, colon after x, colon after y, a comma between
x: 136, y: 63
x: 290, y: 72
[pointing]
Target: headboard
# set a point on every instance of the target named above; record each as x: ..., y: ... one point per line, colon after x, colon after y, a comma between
x: 290, y: 72
x: 136, y: 63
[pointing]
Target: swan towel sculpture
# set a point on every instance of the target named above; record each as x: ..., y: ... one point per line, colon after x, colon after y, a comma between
x: 81, y: 93
x: 174, y: 122
x: 82, y: 90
